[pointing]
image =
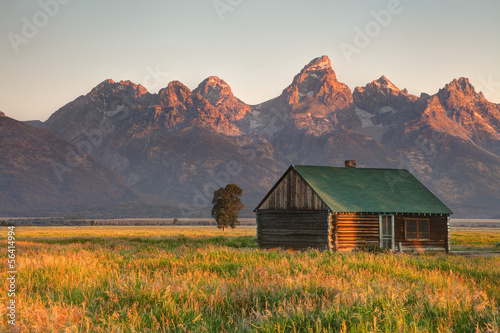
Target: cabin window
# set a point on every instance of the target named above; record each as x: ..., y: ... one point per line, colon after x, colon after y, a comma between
x: 416, y: 229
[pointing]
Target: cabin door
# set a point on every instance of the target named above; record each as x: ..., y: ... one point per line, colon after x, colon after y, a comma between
x: 387, y: 231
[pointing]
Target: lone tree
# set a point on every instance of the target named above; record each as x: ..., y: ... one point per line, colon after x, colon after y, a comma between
x: 227, y: 205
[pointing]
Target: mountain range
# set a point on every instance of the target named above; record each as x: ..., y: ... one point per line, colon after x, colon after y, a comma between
x: 179, y: 145
x: 40, y: 170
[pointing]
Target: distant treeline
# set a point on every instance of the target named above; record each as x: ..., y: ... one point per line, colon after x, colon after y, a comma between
x: 96, y: 222
x: 154, y: 222
x: 45, y: 222
x: 475, y: 225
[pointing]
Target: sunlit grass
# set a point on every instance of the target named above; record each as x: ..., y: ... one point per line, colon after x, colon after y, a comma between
x: 470, y: 237
x: 132, y: 231
x: 200, y: 279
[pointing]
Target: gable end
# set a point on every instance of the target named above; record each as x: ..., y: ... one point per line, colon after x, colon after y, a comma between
x: 292, y: 192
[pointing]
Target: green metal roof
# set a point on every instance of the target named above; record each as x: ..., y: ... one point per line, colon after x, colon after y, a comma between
x: 361, y: 190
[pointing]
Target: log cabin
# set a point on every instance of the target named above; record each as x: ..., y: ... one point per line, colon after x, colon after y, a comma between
x: 344, y: 208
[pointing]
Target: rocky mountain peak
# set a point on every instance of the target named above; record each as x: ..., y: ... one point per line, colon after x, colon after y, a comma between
x: 469, y: 109
x: 434, y: 116
x: 213, y: 81
x: 381, y: 93
x: 139, y: 89
x: 111, y: 87
x: 175, y: 90
x: 212, y: 104
x: 318, y: 80
x: 382, y: 86
x: 214, y: 89
x: 463, y: 85
x: 383, y: 82
x: 177, y: 85
x: 218, y: 93
x: 319, y: 64
x: 458, y: 93
x: 173, y: 103
x: 2, y: 114
x: 104, y: 85
x: 461, y: 88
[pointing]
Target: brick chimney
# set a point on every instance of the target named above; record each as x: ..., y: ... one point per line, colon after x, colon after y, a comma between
x: 350, y: 163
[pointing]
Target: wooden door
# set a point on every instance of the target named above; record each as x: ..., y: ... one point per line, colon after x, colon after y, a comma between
x: 387, y: 231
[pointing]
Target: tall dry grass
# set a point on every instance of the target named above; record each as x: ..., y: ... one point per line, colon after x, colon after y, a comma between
x: 178, y: 279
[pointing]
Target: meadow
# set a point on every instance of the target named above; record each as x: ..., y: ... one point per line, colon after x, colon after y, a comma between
x: 200, y: 279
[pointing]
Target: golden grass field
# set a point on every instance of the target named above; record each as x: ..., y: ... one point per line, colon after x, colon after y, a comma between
x: 200, y: 279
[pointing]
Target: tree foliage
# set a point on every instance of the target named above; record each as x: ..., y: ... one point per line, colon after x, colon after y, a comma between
x: 227, y: 205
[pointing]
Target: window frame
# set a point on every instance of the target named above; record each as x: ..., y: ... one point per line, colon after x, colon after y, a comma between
x: 417, y: 222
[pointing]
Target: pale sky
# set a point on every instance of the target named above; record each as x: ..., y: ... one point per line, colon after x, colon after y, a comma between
x: 53, y: 51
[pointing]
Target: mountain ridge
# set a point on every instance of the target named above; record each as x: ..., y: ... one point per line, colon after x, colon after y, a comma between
x: 41, y: 171
x: 180, y: 144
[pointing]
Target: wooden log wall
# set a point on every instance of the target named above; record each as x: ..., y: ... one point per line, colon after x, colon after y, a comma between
x: 350, y: 231
x: 293, y: 193
x: 438, y: 233
x: 292, y: 229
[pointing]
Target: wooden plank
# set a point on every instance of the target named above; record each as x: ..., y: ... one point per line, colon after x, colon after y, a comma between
x: 292, y: 192
x: 355, y: 230
x: 292, y: 229
x: 271, y: 201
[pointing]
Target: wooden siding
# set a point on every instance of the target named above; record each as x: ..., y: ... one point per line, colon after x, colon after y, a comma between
x: 293, y: 193
x: 350, y: 231
x: 438, y: 233
x: 292, y: 229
